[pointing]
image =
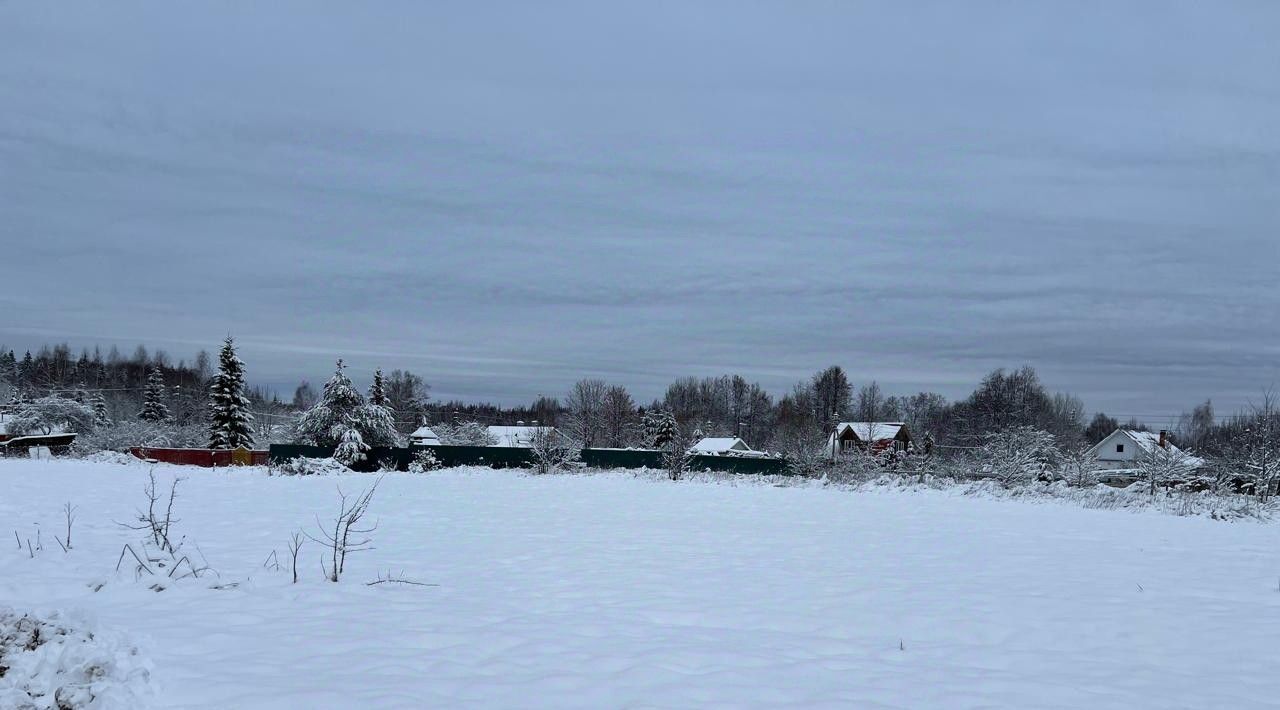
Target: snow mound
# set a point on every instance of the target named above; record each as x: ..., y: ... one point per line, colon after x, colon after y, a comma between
x: 57, y: 663
x: 112, y: 457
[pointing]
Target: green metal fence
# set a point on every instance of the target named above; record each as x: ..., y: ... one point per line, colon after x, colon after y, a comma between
x: 510, y: 457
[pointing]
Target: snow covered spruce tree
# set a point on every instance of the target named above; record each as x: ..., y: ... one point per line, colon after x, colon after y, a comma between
x: 344, y: 420
x: 659, y: 428
x: 378, y: 390
x: 230, y: 423
x: 101, y: 417
x: 153, y: 407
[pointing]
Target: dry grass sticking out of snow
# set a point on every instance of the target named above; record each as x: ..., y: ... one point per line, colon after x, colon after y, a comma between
x: 626, y: 589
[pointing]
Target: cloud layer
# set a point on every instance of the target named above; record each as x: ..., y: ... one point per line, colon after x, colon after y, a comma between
x: 509, y: 196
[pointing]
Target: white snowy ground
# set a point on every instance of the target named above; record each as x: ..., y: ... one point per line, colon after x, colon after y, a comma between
x: 617, y: 591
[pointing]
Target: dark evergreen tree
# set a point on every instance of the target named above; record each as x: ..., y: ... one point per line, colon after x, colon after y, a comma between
x: 153, y: 406
x: 659, y: 428
x: 231, y: 424
x: 378, y: 390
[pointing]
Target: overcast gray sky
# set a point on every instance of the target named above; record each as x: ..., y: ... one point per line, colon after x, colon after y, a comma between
x: 506, y: 197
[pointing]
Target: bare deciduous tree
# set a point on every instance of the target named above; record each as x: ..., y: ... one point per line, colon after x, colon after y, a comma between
x: 1163, y: 465
x: 585, y: 405
x: 69, y: 515
x: 619, y: 414
x: 295, y: 544
x: 1259, y: 447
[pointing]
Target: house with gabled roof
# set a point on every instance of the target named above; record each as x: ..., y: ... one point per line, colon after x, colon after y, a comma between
x: 1124, y: 447
x: 878, y: 436
x: 724, y: 446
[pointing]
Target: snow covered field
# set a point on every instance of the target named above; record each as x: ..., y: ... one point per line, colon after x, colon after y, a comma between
x: 621, y: 591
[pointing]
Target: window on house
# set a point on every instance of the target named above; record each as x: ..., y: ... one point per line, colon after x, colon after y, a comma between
x: 1119, y: 448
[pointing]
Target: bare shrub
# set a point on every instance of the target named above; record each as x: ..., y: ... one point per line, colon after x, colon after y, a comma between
x: 159, y: 548
x: 295, y: 544
x: 551, y: 450
x: 678, y: 457
x: 346, y: 535
x: 1078, y: 467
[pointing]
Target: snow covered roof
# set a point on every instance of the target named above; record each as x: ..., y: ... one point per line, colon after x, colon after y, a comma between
x: 516, y: 436
x: 720, y: 445
x: 1146, y: 442
x: 424, y: 432
x: 866, y: 431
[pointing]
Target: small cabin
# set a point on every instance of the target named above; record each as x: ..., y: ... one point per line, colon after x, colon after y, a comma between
x: 723, y: 446
x: 878, y: 436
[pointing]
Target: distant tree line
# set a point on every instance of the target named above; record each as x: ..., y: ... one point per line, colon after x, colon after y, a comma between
x: 147, y: 398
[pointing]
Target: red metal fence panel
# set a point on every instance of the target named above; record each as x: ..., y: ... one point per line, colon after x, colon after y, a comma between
x: 206, y: 458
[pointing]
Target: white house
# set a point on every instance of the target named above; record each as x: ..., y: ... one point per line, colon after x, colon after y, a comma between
x: 424, y: 436
x: 724, y: 446
x: 520, y: 437
x: 1123, y: 447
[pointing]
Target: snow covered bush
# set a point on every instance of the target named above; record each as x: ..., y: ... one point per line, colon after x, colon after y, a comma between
x: 678, y: 456
x: 860, y: 465
x: 1078, y: 467
x: 53, y: 662
x: 1162, y: 466
x: 126, y: 434
x: 464, y: 434
x: 1017, y: 455
x: 424, y: 461
x: 48, y: 415
x: 303, y: 466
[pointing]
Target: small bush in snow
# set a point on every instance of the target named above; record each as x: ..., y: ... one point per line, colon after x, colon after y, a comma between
x: 1078, y: 467
x: 303, y: 466
x: 424, y: 461
x: 678, y: 457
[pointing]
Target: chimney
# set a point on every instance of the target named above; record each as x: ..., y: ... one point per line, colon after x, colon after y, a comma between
x: 1164, y: 439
